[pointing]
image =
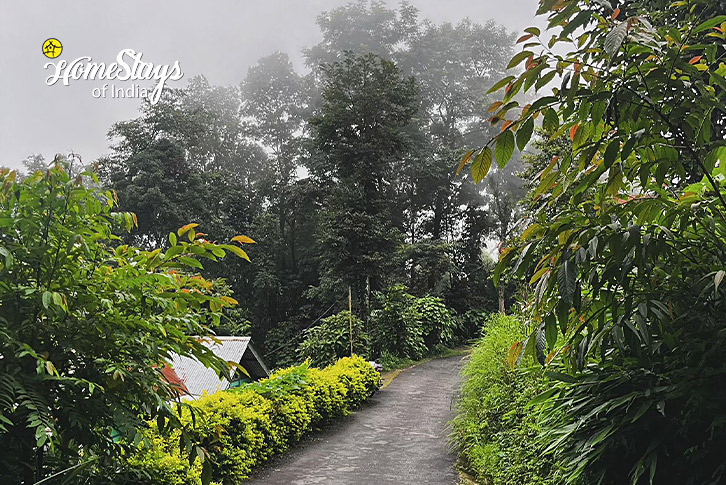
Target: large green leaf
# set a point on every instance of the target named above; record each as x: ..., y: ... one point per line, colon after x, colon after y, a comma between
x: 518, y: 58
x: 524, y: 133
x: 551, y: 121
x: 504, y: 148
x: 567, y: 280
x: 500, y: 84
x: 481, y: 164
x: 615, y: 38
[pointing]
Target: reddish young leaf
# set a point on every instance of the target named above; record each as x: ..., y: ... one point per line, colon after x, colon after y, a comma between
x: 493, y: 107
x: 524, y: 37
x: 465, y: 159
x: 573, y: 130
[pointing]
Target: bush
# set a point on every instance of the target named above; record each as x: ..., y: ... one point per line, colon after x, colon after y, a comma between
x: 390, y: 361
x: 436, y: 321
x: 329, y: 341
x: 281, y: 344
x: 395, y: 329
x: 470, y: 325
x: 495, y: 432
x: 243, y: 427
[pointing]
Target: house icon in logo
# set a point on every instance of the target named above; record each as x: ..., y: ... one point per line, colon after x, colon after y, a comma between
x: 52, y: 48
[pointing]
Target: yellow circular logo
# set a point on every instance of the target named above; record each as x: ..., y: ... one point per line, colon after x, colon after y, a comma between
x: 52, y: 48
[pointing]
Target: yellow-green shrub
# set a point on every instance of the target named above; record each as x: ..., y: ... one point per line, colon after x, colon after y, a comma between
x: 242, y: 428
x: 160, y: 461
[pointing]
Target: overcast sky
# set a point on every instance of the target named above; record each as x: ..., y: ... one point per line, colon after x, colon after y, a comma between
x: 219, y: 39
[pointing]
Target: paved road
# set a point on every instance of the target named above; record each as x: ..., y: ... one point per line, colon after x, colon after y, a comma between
x: 399, y: 436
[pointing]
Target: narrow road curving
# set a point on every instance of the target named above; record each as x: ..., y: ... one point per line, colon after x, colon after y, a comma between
x: 399, y: 436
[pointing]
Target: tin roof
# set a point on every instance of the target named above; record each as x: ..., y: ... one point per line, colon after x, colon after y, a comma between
x: 197, y: 378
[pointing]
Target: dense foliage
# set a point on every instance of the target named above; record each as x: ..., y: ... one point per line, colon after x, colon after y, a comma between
x: 325, y: 343
x: 437, y: 324
x: 86, y: 323
x: 360, y: 135
x: 244, y: 427
x: 342, y: 174
x: 625, y: 241
x: 397, y: 331
x: 495, y: 430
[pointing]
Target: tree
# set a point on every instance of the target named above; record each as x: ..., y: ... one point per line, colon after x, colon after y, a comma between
x: 273, y: 101
x: 86, y: 326
x: 362, y: 27
x: 160, y: 186
x: 194, y: 141
x: 34, y: 163
x: 504, y: 190
x: 360, y: 134
x: 454, y: 66
x: 202, y: 119
x: 627, y: 238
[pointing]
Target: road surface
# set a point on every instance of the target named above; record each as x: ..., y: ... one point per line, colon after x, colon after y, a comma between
x: 399, y: 436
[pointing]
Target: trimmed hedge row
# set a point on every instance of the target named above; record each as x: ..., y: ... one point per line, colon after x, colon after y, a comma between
x: 242, y: 428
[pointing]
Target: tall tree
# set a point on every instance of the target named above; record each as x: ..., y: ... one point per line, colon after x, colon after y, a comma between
x: 160, y: 186
x: 363, y: 27
x: 455, y: 66
x: 360, y: 133
x: 274, y: 104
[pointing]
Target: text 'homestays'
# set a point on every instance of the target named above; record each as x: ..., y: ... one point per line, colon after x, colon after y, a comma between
x: 128, y: 67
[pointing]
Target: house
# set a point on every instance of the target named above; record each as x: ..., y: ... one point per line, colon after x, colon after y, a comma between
x: 193, y: 378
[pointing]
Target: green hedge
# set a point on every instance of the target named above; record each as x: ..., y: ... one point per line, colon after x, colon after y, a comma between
x: 244, y: 427
x: 495, y: 432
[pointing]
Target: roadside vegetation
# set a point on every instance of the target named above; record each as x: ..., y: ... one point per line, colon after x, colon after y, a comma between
x: 621, y: 249
x: 496, y: 430
x: 242, y: 428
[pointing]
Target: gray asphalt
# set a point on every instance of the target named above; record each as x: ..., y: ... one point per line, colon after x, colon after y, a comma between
x: 399, y: 436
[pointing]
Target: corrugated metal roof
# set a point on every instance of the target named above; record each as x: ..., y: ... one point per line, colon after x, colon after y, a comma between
x: 197, y: 378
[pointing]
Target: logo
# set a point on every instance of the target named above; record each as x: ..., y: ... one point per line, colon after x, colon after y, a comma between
x: 129, y: 66
x: 52, y: 48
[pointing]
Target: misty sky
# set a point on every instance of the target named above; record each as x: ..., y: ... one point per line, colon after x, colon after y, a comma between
x: 219, y: 39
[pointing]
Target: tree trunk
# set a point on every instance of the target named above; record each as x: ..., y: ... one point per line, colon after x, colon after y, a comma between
x: 438, y: 215
x: 500, y: 290
x: 503, y: 230
x: 368, y: 299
